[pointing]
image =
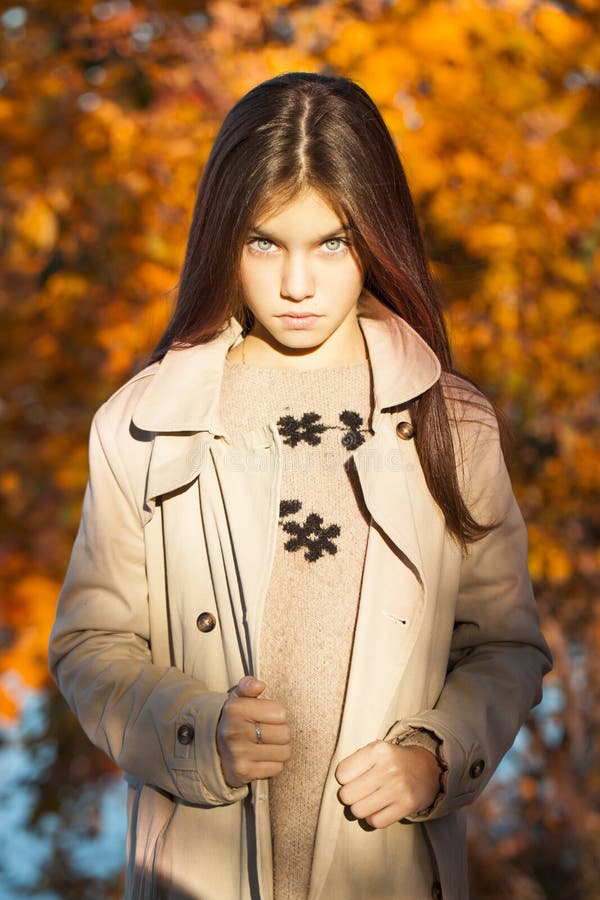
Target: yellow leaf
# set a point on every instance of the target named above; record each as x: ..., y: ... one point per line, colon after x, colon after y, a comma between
x: 558, y: 28
x: 36, y: 224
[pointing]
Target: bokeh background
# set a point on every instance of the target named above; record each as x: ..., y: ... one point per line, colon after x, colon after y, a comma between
x: 107, y: 114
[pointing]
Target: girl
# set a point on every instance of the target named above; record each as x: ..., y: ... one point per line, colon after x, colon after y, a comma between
x: 297, y: 612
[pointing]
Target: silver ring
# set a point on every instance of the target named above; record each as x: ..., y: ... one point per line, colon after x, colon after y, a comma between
x: 258, y: 730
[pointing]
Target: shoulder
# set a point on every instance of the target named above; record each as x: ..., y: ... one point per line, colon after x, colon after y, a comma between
x: 116, y: 413
x: 473, y: 419
x: 119, y: 454
x: 466, y: 403
x: 478, y: 442
x: 116, y: 445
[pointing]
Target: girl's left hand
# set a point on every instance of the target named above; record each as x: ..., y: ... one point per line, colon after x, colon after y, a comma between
x: 383, y: 782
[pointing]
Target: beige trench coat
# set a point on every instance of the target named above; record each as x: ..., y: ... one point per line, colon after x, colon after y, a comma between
x: 176, y: 524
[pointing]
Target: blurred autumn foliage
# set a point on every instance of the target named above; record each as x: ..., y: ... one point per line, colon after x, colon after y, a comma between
x: 107, y: 113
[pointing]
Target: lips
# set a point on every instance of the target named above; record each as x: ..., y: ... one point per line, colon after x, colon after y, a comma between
x: 298, y: 316
x: 299, y: 320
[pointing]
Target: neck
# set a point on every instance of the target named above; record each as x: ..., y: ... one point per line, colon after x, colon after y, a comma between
x: 255, y: 350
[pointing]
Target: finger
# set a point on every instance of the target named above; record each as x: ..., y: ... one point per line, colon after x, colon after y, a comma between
x: 383, y: 818
x: 268, y: 753
x: 262, y: 770
x: 399, y: 796
x: 361, y: 787
x: 369, y: 806
x: 354, y: 765
x: 245, y: 761
x: 248, y: 686
x: 247, y: 771
x: 255, y: 710
x: 235, y: 732
x: 277, y: 735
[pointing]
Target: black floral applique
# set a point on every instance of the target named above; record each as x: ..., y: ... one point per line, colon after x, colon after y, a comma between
x: 308, y: 429
x: 289, y: 507
x: 310, y: 534
x: 353, y: 435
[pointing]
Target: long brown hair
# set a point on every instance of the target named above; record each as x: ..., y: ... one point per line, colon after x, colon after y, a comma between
x: 305, y: 130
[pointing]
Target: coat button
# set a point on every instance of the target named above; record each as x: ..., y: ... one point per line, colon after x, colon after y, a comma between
x: 185, y: 734
x: 436, y: 891
x: 405, y: 430
x: 477, y: 768
x: 205, y: 622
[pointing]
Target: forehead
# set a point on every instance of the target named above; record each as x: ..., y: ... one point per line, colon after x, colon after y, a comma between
x: 307, y: 208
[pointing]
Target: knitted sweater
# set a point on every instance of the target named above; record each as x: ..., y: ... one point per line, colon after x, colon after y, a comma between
x: 310, y: 611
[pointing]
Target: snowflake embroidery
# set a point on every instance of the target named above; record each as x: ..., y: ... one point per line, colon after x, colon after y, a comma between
x: 352, y: 437
x: 310, y: 534
x: 308, y: 429
x: 289, y: 507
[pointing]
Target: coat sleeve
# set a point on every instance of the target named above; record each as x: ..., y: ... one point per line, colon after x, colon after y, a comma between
x: 156, y: 723
x: 498, y: 656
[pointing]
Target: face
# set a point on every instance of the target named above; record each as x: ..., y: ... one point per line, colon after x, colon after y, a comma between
x: 302, y: 280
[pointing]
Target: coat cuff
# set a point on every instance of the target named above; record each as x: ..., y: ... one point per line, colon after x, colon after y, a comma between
x: 467, y: 770
x: 196, y: 764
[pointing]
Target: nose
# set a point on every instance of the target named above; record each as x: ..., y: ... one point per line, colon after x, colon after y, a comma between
x: 297, y: 278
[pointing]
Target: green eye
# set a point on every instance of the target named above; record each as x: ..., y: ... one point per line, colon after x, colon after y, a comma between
x: 333, y: 244
x: 263, y: 244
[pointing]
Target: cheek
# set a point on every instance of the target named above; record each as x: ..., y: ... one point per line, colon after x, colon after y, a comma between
x: 348, y: 280
x: 258, y: 279
x: 251, y: 282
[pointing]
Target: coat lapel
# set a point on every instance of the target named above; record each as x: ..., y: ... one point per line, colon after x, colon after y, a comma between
x: 385, y: 470
x: 403, y: 512
x: 389, y: 622
x: 184, y: 393
x: 249, y: 489
x: 176, y: 460
x: 403, y: 365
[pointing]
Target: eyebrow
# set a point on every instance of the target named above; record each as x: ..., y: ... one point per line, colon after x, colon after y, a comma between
x: 343, y: 229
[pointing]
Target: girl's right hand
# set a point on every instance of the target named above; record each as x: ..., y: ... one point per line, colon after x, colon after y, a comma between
x: 243, y: 757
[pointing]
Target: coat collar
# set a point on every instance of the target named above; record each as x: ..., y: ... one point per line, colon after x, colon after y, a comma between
x: 185, y: 390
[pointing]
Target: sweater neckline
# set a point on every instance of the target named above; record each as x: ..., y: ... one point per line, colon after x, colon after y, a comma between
x: 304, y: 373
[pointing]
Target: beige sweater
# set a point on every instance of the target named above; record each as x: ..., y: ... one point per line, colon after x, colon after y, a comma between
x: 310, y: 611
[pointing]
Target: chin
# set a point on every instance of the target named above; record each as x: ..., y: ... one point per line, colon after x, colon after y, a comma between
x: 298, y: 339
x: 298, y: 344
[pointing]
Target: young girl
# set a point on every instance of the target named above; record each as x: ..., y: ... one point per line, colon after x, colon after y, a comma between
x: 297, y: 612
